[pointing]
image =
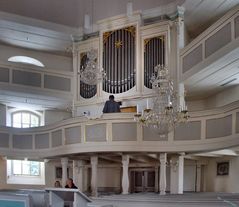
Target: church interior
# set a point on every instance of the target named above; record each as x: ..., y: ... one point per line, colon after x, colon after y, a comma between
x: 168, y: 71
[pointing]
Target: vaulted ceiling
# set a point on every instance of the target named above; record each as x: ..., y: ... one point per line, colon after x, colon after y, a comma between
x: 50, y: 25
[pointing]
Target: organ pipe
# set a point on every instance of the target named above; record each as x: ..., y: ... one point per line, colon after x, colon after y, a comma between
x: 119, y: 60
x: 154, y: 54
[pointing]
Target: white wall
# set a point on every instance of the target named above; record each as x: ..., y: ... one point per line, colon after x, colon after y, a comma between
x: 225, y: 183
x: 52, y: 116
x: 225, y: 97
x: 196, y: 105
x: 109, y: 177
x: 189, y: 181
x: 3, y: 115
x: 51, y: 61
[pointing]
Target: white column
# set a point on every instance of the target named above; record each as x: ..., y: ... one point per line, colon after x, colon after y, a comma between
x: 199, y: 175
x: 156, y: 179
x: 75, y: 79
x: 180, y: 41
x: 78, y: 170
x: 180, y: 27
x: 174, y: 175
x: 74, y: 171
x: 64, y: 164
x: 94, y: 163
x: 81, y: 165
x: 125, y: 178
x: 162, y: 184
x: 180, y: 173
x: 181, y: 94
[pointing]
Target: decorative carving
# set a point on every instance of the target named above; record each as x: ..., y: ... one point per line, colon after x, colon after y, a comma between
x: 106, y: 36
x: 132, y: 30
x: 118, y: 43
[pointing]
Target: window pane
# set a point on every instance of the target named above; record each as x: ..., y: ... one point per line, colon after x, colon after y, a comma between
x: 25, y: 118
x: 25, y: 167
x: 35, y: 168
x: 17, y: 125
x: 34, y: 120
x: 17, y: 167
x: 16, y: 119
x: 25, y: 125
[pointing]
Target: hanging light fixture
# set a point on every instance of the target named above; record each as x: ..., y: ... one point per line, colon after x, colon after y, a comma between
x: 167, y: 110
x: 91, y: 73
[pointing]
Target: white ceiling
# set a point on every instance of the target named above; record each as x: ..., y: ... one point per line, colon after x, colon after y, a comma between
x: 71, y: 12
x: 49, y: 25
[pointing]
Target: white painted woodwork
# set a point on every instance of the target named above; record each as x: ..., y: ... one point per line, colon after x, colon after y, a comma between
x: 64, y: 164
x: 94, y: 175
x: 125, y: 175
x: 162, y: 181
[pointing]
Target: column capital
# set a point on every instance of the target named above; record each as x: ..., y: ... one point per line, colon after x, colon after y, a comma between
x: 94, y: 160
x: 80, y: 163
x: 64, y: 160
x: 163, y: 158
x: 182, y: 154
x: 125, y: 159
x: 180, y: 11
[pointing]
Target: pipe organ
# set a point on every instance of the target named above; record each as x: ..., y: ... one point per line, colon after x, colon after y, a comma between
x: 119, y: 60
x: 154, y: 54
x: 86, y: 91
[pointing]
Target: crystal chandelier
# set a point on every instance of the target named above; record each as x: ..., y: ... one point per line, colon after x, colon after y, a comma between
x: 91, y: 74
x: 167, y: 112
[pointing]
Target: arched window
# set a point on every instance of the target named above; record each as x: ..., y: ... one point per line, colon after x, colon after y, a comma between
x: 26, y: 60
x: 25, y: 119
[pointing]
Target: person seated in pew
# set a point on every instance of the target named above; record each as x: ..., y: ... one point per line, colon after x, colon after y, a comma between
x: 57, y: 184
x: 70, y: 184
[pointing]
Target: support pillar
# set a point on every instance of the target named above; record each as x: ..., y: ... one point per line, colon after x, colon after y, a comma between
x: 74, y: 171
x: 156, y: 179
x: 199, y: 175
x: 78, y: 166
x: 125, y: 178
x: 94, y: 167
x: 162, y: 184
x: 180, y: 173
x: 176, y: 174
x: 81, y: 164
x: 64, y: 164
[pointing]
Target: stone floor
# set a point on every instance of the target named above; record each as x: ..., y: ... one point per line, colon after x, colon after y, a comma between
x: 156, y: 200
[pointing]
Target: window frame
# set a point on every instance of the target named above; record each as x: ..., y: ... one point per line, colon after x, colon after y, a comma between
x: 22, y: 174
x: 25, y: 179
x: 27, y: 112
